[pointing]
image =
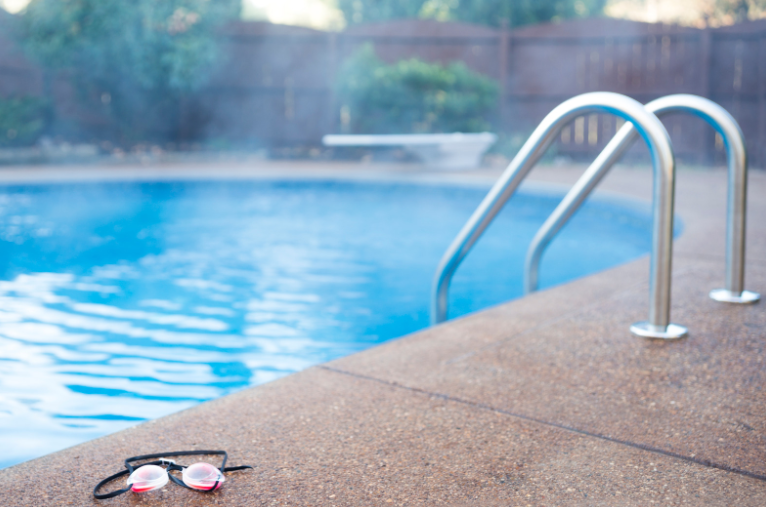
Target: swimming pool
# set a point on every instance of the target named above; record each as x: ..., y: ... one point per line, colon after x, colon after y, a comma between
x: 123, y: 302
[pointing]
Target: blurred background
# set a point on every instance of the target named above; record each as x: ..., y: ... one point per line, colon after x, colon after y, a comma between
x: 151, y: 80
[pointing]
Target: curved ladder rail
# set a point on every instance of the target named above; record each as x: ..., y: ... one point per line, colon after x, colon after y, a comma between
x: 663, y: 163
x: 725, y: 125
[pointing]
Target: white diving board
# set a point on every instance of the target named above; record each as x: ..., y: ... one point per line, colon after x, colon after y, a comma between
x: 440, y: 151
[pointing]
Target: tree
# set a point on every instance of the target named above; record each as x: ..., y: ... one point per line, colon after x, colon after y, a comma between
x: 136, y: 58
x: 523, y: 12
x: 485, y: 12
x: 737, y: 11
x: 366, y: 11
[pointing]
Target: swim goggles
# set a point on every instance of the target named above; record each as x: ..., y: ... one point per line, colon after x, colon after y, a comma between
x: 151, y: 475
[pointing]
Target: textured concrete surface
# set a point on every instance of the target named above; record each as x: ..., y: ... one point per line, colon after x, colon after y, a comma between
x: 547, y: 400
x: 702, y: 398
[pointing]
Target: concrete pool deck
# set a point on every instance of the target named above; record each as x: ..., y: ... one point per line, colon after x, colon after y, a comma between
x: 545, y: 400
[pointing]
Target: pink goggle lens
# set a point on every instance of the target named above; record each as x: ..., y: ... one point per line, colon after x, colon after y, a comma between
x: 147, y: 478
x: 203, y: 476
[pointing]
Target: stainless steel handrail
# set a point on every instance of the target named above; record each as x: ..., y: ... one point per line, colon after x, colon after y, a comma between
x: 725, y: 125
x: 663, y: 163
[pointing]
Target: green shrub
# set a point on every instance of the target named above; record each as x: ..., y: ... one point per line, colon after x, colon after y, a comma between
x: 21, y: 120
x: 412, y: 96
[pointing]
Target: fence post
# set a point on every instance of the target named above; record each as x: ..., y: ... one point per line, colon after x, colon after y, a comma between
x: 705, y: 43
x: 503, y: 69
x: 760, y: 151
x: 706, y: 36
x: 332, y: 72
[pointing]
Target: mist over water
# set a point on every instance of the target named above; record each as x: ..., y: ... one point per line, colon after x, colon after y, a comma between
x: 125, y: 302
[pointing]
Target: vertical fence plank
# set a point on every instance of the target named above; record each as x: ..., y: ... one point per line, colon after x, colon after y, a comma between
x: 332, y: 70
x: 706, y: 40
x: 503, y: 41
x: 704, y: 82
x: 760, y: 155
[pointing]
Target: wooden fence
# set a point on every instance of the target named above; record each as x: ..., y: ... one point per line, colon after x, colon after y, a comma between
x: 277, y: 83
x: 274, y: 83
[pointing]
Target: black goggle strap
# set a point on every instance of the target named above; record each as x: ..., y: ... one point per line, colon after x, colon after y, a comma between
x: 129, y: 469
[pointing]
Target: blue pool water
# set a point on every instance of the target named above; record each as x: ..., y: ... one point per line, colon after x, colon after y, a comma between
x: 125, y: 302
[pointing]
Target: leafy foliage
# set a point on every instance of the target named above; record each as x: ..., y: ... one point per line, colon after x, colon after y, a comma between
x: 137, y: 58
x: 522, y: 12
x: 21, y: 120
x: 737, y: 11
x: 365, y: 11
x: 414, y: 96
x: 485, y: 12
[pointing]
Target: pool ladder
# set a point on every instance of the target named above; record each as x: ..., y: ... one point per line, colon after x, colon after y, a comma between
x: 641, y: 120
